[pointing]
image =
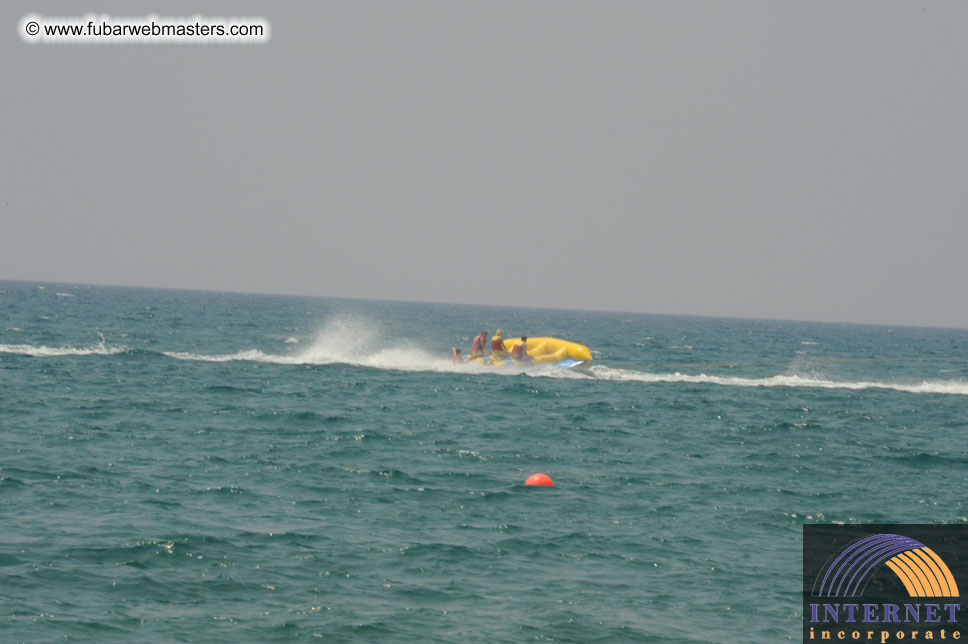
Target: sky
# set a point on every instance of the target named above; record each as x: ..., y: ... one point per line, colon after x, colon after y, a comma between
x: 789, y: 160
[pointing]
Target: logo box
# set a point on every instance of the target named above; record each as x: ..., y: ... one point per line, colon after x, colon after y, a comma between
x: 884, y: 583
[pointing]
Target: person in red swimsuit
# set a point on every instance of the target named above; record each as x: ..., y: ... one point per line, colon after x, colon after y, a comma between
x: 520, y: 351
x: 479, y: 344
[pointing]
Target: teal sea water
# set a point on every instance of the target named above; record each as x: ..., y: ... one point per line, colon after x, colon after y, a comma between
x: 208, y: 467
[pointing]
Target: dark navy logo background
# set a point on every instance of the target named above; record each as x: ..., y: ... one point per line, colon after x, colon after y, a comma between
x: 884, y: 582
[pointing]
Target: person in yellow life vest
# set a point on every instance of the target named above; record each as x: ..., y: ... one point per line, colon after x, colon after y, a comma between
x: 497, y: 345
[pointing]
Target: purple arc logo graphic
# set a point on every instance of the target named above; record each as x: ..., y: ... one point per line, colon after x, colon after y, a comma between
x: 919, y: 568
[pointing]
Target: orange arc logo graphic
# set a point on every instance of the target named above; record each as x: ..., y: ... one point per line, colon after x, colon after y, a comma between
x: 923, y: 573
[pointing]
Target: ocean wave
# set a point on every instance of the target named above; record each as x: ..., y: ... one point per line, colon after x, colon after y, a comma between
x: 249, y: 354
x: 955, y: 387
x: 404, y: 358
x: 399, y: 359
x: 344, y: 339
x: 44, y: 351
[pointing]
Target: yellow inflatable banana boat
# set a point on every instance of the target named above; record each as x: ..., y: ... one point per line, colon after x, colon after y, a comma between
x: 560, y: 353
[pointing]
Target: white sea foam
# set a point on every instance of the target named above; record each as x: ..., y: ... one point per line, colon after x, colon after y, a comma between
x: 398, y: 358
x: 403, y: 356
x: 249, y: 354
x: 64, y: 294
x: 345, y: 339
x: 46, y: 352
x: 957, y: 387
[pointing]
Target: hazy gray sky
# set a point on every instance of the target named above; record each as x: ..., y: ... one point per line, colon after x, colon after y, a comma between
x: 803, y: 160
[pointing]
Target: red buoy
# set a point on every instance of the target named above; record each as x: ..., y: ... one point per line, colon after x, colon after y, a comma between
x: 539, y: 479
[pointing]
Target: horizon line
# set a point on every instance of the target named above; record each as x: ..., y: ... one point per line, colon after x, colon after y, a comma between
x: 480, y: 305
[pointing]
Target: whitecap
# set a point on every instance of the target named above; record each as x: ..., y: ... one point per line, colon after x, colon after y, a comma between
x: 48, y: 352
x: 956, y: 387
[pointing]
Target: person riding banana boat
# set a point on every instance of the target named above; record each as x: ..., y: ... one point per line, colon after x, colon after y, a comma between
x: 523, y: 352
x: 497, y: 344
x: 479, y: 345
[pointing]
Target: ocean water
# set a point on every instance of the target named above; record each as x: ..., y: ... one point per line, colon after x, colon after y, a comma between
x: 211, y: 467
